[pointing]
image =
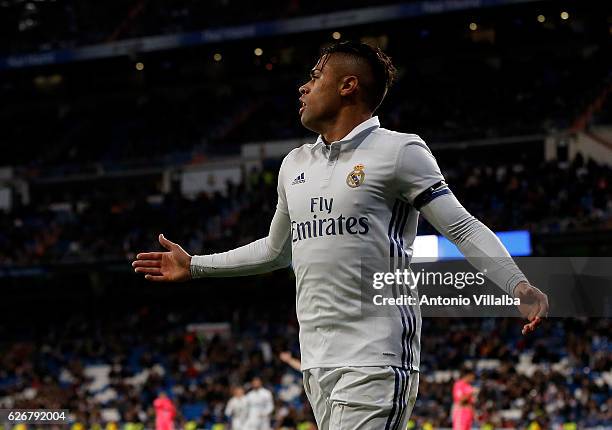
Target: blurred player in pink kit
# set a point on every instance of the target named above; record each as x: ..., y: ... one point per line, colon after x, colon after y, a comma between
x: 463, y: 401
x: 164, y: 412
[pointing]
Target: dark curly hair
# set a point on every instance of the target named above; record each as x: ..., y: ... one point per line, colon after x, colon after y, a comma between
x: 383, y: 70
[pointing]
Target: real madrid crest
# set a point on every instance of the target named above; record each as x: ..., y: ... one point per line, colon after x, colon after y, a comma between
x: 356, y: 177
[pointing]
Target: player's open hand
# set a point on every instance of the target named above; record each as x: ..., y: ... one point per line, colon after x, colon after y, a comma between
x: 534, y: 305
x: 171, y: 266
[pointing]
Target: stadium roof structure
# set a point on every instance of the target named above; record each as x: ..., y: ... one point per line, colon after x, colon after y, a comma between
x: 334, y: 20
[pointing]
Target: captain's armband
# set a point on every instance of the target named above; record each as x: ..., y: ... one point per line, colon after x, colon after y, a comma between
x: 438, y: 189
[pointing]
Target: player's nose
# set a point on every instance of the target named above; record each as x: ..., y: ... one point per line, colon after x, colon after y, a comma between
x: 303, y: 89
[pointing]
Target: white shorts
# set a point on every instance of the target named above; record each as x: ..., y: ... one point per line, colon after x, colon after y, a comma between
x: 361, y: 398
x: 256, y: 424
x: 238, y: 424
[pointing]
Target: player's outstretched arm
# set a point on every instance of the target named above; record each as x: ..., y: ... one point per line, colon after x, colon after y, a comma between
x: 176, y: 265
x: 170, y: 266
x: 486, y: 252
x: 422, y: 184
x: 264, y: 255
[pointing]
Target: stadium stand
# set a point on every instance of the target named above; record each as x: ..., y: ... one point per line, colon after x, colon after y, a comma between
x: 95, y: 152
x: 47, y: 25
x: 518, y: 77
x: 109, y: 369
x: 111, y: 225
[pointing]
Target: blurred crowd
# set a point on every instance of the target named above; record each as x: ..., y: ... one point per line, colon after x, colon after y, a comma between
x: 176, y: 123
x: 542, y: 197
x: 99, y: 226
x: 111, y: 371
x: 108, y: 372
x: 513, y: 77
x: 541, y: 382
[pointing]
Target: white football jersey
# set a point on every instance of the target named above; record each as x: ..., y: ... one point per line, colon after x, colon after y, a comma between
x: 238, y: 410
x: 346, y: 210
x: 261, y: 404
x: 352, y: 211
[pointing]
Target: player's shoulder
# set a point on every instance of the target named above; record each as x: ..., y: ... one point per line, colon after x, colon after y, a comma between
x: 398, y: 140
x: 296, y: 153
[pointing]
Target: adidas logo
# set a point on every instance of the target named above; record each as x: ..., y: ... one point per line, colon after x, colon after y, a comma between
x: 299, y: 180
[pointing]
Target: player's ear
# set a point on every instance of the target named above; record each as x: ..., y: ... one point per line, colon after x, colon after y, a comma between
x: 348, y: 85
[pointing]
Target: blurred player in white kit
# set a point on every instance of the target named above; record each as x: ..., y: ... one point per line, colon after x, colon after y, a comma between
x: 237, y: 409
x: 260, y: 404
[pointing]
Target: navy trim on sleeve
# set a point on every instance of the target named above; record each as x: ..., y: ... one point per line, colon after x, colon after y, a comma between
x: 436, y: 190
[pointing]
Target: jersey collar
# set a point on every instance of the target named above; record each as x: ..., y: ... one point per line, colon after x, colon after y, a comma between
x: 367, y: 125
